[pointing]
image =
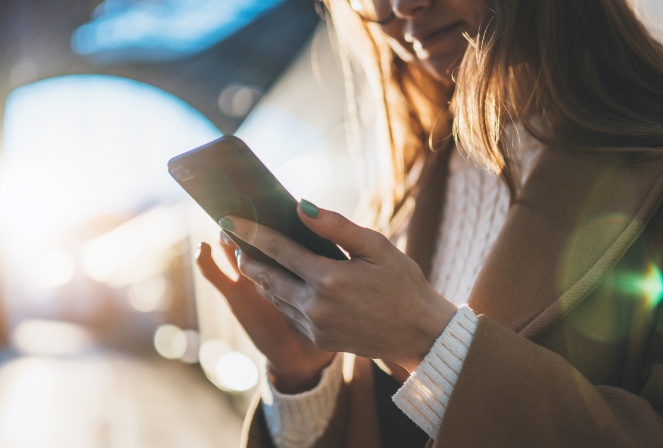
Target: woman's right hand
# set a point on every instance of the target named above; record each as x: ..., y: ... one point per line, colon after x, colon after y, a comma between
x: 294, y: 362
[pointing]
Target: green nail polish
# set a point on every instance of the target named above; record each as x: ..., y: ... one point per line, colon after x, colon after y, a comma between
x: 226, y: 224
x: 309, y: 209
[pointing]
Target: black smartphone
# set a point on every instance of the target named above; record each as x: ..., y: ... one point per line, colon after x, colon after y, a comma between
x: 226, y: 178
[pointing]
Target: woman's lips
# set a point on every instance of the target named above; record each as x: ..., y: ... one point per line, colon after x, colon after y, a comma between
x: 425, y: 40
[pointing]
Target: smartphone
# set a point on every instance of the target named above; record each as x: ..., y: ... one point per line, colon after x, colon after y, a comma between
x: 226, y: 178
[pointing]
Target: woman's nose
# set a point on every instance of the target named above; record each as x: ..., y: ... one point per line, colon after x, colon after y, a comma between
x: 407, y: 8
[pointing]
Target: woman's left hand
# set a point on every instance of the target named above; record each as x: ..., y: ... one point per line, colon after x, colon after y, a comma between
x: 378, y: 304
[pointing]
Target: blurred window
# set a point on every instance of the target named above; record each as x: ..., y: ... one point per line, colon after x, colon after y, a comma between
x: 78, y: 149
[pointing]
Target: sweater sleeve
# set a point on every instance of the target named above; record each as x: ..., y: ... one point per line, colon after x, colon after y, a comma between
x: 299, y: 420
x: 425, y: 394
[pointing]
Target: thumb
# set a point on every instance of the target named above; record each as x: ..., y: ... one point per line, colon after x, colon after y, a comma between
x: 356, y: 240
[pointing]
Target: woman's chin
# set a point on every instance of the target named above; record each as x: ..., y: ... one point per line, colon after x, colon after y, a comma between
x: 442, y: 70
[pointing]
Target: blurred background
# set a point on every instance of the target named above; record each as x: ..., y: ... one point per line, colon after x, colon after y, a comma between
x: 108, y: 335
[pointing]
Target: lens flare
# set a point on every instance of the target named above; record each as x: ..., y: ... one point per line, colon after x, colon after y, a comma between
x: 649, y: 286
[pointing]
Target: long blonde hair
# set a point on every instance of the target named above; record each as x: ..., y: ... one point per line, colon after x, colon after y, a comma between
x: 575, y: 73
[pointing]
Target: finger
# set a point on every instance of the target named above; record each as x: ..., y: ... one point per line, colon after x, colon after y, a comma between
x: 229, y: 249
x: 210, y: 269
x: 225, y: 240
x: 288, y: 253
x: 356, y: 240
x: 274, y: 281
x: 294, y: 316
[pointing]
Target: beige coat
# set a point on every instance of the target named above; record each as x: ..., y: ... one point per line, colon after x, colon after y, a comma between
x: 569, y: 348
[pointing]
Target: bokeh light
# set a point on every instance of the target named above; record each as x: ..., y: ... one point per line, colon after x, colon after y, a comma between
x: 170, y: 341
x: 210, y: 352
x: 149, y: 295
x: 235, y: 372
x: 237, y: 100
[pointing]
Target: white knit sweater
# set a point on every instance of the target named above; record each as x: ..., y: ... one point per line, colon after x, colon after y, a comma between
x: 475, y: 206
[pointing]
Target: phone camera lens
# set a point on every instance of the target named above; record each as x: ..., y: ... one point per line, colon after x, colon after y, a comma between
x: 181, y: 174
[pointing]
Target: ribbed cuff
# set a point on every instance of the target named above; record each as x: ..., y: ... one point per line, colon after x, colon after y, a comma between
x: 298, y: 420
x: 425, y: 395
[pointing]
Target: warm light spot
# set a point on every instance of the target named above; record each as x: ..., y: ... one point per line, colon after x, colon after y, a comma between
x: 210, y: 352
x: 149, y: 295
x: 52, y: 269
x: 170, y: 341
x: 103, y: 256
x: 127, y: 253
x: 190, y: 355
x: 235, y: 372
x: 76, y: 149
x: 43, y: 337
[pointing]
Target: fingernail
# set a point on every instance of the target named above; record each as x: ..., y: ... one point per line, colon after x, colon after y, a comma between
x: 237, y: 254
x: 309, y: 209
x: 226, y: 224
x: 225, y: 239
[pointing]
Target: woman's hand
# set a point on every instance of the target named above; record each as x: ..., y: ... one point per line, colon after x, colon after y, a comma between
x: 378, y: 304
x: 294, y: 362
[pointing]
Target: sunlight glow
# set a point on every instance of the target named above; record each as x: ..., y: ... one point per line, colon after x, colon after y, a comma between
x: 235, y: 372
x: 149, y: 295
x: 52, y: 269
x: 125, y: 254
x: 79, y: 147
x: 43, y: 337
x: 210, y: 352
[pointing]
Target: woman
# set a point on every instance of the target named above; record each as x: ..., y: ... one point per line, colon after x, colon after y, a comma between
x: 552, y: 233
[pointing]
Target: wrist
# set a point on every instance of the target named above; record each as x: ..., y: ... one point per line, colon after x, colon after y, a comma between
x: 429, y: 326
x: 299, y: 376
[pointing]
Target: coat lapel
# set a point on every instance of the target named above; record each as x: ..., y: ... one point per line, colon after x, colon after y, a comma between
x: 575, y: 217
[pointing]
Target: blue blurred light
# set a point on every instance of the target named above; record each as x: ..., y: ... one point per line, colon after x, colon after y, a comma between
x: 155, y: 31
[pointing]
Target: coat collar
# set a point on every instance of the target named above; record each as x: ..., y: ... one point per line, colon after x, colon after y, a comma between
x: 574, y: 218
